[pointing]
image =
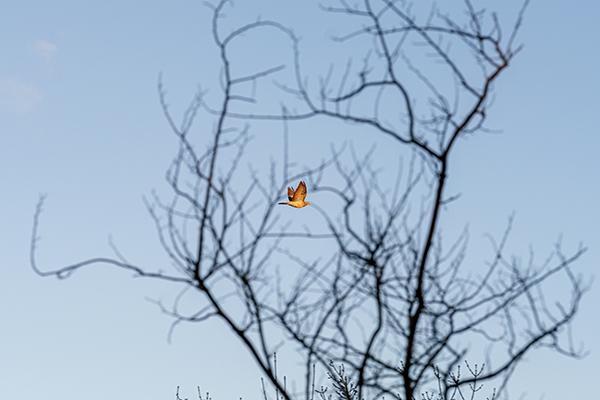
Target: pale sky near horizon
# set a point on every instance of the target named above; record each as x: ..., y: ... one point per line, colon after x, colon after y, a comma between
x: 81, y: 121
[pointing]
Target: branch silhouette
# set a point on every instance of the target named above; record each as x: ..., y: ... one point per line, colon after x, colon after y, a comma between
x: 391, y: 301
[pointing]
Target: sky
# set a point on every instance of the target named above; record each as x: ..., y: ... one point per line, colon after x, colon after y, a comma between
x: 80, y: 120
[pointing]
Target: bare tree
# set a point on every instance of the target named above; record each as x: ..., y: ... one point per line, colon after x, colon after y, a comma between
x: 391, y: 302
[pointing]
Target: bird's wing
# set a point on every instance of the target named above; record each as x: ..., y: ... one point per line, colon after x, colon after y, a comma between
x: 290, y: 193
x: 300, y: 193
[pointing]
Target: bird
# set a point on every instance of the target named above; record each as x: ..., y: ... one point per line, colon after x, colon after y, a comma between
x: 297, y: 196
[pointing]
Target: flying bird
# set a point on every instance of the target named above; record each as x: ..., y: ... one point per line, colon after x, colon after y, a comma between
x: 297, y: 196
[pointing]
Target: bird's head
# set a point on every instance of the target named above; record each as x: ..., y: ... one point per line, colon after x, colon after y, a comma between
x: 307, y: 203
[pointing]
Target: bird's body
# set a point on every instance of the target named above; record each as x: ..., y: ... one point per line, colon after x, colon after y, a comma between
x: 297, y: 196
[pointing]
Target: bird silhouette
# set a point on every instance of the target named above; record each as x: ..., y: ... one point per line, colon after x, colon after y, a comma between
x: 297, y: 196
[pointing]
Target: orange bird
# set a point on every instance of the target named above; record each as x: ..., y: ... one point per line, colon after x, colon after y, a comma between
x: 297, y: 196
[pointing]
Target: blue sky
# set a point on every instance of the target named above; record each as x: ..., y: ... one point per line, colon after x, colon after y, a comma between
x: 80, y: 120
